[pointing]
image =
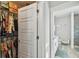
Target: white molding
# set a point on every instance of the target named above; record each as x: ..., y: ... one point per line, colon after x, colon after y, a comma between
x: 52, y: 35
x: 72, y: 30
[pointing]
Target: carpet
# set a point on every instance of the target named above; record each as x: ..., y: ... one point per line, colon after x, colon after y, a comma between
x: 61, y: 53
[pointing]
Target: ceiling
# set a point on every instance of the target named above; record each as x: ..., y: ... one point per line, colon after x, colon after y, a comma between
x: 23, y: 3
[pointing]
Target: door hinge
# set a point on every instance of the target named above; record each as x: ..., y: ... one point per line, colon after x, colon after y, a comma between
x: 38, y: 37
x: 37, y: 11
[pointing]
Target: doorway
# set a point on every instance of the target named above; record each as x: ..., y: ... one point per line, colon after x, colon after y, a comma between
x: 9, y: 27
x: 65, y: 27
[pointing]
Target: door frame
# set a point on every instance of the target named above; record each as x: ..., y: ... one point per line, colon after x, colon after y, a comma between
x: 44, y: 29
x: 71, y: 11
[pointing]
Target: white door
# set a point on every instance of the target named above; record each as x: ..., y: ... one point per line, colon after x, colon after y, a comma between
x: 27, y: 31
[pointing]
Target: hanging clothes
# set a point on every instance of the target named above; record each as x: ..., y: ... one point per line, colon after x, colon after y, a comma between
x: 5, y: 49
x: 10, y: 24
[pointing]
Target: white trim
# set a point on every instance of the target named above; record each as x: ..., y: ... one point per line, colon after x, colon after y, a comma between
x: 72, y: 30
x: 52, y: 35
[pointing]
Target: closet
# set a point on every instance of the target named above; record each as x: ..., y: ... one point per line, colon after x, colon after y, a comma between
x: 8, y: 30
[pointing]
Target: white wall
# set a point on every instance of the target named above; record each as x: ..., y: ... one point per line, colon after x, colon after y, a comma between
x: 63, y: 28
x: 56, y: 3
x: 47, y: 29
x: 65, y: 5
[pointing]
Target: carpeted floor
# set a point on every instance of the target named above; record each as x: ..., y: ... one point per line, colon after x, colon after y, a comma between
x: 61, y: 53
x: 65, y: 51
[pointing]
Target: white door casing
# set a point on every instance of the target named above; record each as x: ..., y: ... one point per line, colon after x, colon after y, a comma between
x: 43, y: 30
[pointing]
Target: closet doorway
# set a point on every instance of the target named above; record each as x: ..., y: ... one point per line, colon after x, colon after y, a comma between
x: 9, y: 21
